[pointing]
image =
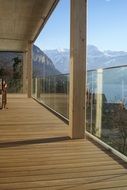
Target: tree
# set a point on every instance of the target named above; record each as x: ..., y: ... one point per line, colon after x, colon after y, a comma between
x: 2, y: 72
x: 122, y: 123
x: 17, y: 68
x: 16, y: 82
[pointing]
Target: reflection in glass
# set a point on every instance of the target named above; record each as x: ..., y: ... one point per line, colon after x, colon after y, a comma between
x: 99, y: 92
x: 106, y: 115
x: 53, y: 92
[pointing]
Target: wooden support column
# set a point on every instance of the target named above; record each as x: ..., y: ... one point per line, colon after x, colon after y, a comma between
x: 77, y: 69
x: 29, y: 70
x: 24, y: 73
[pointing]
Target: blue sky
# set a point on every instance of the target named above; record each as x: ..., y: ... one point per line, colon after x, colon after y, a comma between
x: 107, y: 26
x: 56, y: 33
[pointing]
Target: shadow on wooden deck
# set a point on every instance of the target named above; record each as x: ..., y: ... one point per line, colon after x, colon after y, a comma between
x: 37, y: 154
x: 34, y: 141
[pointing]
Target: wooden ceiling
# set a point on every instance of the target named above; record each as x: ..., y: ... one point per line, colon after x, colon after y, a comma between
x: 21, y: 21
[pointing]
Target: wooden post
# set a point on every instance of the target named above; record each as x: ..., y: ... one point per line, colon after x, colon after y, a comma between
x: 24, y: 73
x: 99, y: 101
x: 77, y: 69
x: 37, y: 88
x: 29, y: 70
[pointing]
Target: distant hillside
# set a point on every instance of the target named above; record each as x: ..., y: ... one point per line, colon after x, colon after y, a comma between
x: 60, y: 59
x: 42, y: 64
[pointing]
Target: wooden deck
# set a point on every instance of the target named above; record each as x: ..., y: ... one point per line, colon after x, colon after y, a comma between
x: 36, y: 154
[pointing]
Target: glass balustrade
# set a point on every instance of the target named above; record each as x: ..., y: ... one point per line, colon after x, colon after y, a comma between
x: 53, y: 92
x: 106, y: 107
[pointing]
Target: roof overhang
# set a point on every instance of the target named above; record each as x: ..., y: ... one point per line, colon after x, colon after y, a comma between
x: 21, y: 22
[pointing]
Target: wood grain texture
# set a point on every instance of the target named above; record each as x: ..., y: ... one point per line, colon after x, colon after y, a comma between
x: 36, y: 154
x: 77, y: 69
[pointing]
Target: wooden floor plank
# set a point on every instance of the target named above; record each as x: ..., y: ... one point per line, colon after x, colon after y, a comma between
x: 36, y: 153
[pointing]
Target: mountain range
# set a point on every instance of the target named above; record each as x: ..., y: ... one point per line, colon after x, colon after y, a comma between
x: 60, y: 59
x: 95, y: 58
x: 54, y: 62
x: 104, y: 59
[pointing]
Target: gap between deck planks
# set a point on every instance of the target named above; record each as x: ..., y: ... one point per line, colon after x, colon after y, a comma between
x: 36, y: 154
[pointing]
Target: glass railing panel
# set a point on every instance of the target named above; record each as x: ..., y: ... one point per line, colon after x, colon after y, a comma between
x: 61, y: 95
x: 46, y: 95
x: 107, y: 106
x: 33, y: 87
x: 114, y: 109
x: 53, y: 91
x: 91, y: 102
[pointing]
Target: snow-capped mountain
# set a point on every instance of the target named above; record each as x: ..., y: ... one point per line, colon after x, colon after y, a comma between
x: 95, y: 58
x: 60, y: 59
x: 104, y: 59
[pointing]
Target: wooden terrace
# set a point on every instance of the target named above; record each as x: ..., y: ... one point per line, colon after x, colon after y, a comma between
x: 36, y: 153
